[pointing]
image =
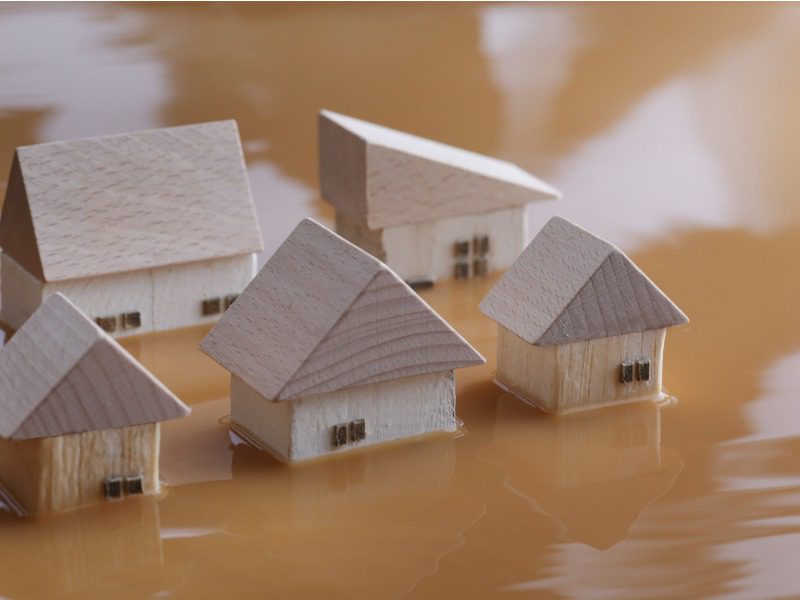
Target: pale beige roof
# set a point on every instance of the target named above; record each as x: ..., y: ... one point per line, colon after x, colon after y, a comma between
x: 324, y: 315
x: 125, y: 202
x: 381, y: 177
x: 60, y: 374
x: 569, y: 285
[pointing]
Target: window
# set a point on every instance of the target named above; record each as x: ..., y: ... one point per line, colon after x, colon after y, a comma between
x: 340, y: 435
x: 354, y: 431
x: 461, y: 270
x: 131, y: 320
x: 134, y: 485
x: 640, y: 370
x: 626, y: 372
x: 212, y: 306
x: 471, y: 257
x: 217, y: 305
x: 462, y: 249
x: 107, y: 324
x: 113, y: 487
x: 480, y: 245
x: 643, y: 369
x: 358, y: 430
x: 230, y: 299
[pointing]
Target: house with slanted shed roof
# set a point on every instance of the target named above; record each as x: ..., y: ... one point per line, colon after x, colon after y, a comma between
x: 579, y: 324
x: 426, y: 209
x: 79, y: 417
x: 143, y: 231
x: 329, y: 350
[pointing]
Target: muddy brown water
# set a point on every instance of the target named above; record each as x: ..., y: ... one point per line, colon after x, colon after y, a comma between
x: 672, y: 130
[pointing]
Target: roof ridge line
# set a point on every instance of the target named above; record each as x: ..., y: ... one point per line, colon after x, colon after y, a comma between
x: 327, y: 332
x: 580, y: 289
x: 44, y: 397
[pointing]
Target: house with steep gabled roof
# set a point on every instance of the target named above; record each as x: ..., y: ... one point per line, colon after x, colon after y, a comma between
x: 143, y: 231
x: 428, y: 210
x: 329, y: 350
x: 79, y: 417
x: 579, y: 324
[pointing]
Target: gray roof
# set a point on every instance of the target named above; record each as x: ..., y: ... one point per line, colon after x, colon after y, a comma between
x: 61, y: 374
x: 324, y: 315
x: 569, y: 285
x: 140, y: 200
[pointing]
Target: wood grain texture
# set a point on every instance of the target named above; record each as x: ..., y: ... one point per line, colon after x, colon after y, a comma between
x: 178, y: 291
x: 265, y: 425
x: 69, y: 471
x: 311, y: 321
x: 569, y: 286
x: 61, y: 374
x: 380, y: 177
x: 165, y: 298
x: 369, y: 240
x: 425, y: 250
x: 342, y: 168
x: 128, y: 202
x: 387, y: 333
x: 302, y: 429
x: 584, y: 374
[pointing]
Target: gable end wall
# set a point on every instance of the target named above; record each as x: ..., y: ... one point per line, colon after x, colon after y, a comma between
x: 570, y: 377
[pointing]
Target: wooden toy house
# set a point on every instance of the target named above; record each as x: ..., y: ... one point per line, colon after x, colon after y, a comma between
x: 144, y: 231
x: 329, y: 350
x: 79, y: 418
x: 579, y: 325
x: 426, y: 209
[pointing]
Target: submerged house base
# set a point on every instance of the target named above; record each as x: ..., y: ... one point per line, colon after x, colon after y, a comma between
x: 134, y: 302
x: 462, y: 246
x: 368, y: 414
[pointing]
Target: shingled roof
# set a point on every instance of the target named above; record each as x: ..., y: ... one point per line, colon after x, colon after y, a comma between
x: 140, y: 200
x: 61, y: 374
x: 377, y: 175
x: 324, y: 315
x: 569, y: 285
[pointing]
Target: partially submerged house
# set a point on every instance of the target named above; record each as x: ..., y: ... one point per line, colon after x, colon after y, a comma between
x: 143, y: 231
x: 579, y: 325
x: 329, y: 350
x: 79, y: 417
x: 426, y: 209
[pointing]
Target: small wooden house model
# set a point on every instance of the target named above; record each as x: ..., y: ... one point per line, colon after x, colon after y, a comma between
x: 426, y: 209
x: 329, y: 350
x: 144, y: 231
x: 79, y: 417
x: 579, y: 325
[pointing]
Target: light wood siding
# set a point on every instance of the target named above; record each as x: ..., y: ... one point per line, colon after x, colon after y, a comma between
x: 63, y: 472
x: 562, y: 378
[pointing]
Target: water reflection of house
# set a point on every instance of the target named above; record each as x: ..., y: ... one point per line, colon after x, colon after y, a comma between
x: 592, y: 472
x: 376, y: 523
x: 368, y: 524
x: 86, y: 550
